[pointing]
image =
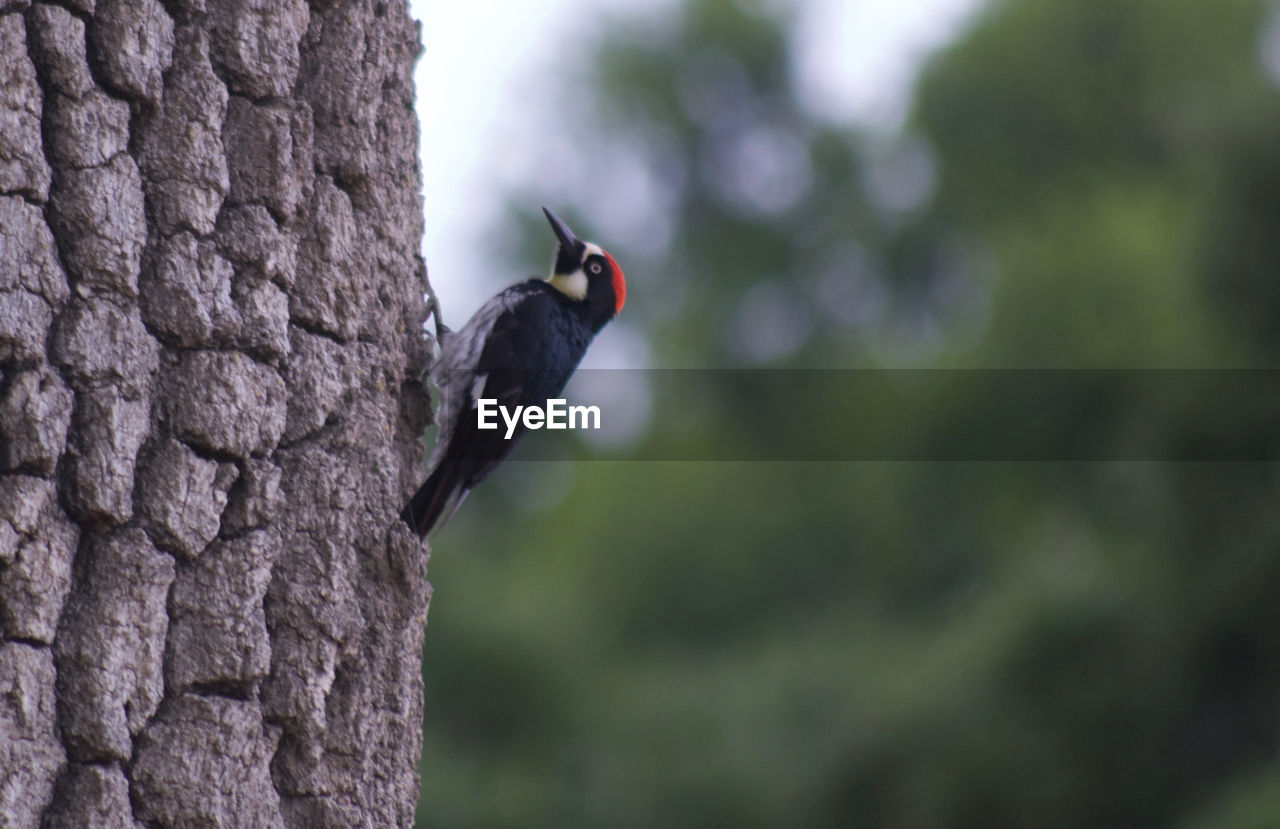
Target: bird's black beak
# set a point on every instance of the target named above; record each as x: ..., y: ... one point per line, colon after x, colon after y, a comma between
x: 563, y: 233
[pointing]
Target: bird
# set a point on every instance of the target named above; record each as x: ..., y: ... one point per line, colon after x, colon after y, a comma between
x: 519, y: 348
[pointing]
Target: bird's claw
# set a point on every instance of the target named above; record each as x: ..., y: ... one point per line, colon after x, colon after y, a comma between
x: 442, y: 330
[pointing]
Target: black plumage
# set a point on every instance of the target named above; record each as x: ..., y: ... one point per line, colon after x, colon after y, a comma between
x: 519, y: 349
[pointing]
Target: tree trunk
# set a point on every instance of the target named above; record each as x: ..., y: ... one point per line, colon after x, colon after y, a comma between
x: 210, y: 307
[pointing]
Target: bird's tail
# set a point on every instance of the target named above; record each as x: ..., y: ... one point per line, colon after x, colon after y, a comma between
x: 430, y: 501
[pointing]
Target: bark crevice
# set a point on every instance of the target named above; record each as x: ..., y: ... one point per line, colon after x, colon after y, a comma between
x: 208, y: 329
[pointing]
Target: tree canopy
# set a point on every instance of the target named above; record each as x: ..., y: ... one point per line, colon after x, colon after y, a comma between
x: 1079, y: 185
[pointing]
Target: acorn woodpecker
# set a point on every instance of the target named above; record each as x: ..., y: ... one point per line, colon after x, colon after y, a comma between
x: 518, y: 349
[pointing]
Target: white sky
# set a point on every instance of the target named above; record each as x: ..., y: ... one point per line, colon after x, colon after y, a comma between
x: 485, y: 61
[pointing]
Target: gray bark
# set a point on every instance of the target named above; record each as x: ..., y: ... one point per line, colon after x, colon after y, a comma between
x: 210, y: 307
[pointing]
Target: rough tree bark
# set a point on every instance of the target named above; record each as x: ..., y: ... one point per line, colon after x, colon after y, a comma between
x: 210, y: 306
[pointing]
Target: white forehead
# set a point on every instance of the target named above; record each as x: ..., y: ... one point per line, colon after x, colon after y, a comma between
x: 592, y: 250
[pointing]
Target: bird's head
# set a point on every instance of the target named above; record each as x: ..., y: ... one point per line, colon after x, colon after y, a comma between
x: 585, y: 272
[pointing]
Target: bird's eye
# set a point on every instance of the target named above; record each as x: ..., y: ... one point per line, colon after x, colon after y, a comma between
x: 595, y: 268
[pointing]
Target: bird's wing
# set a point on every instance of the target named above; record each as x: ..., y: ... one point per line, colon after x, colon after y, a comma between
x: 457, y: 371
x: 504, y: 374
x: 497, y: 377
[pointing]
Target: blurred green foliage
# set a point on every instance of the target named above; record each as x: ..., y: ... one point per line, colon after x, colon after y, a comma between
x: 1080, y: 184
